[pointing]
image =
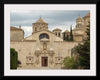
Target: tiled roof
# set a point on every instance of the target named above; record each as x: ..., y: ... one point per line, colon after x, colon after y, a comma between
x: 66, y: 31
x: 87, y: 15
x: 79, y: 18
x: 40, y: 20
x: 57, y: 29
x: 15, y: 28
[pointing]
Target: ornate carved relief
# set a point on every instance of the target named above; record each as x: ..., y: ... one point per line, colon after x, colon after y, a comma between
x: 37, y: 54
x: 44, y: 46
x: 29, y: 59
x: 44, y: 52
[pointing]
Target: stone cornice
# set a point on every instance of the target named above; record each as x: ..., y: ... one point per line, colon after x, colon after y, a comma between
x: 25, y: 41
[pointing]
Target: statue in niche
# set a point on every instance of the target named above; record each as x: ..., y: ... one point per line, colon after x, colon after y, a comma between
x: 44, y: 46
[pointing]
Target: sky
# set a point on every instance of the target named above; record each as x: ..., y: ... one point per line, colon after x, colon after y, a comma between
x: 62, y: 19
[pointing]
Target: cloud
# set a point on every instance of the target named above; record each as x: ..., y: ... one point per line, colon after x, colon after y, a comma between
x: 62, y: 19
x: 50, y: 16
x: 27, y: 30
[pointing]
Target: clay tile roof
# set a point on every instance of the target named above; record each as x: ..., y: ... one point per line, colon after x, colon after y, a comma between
x: 57, y: 29
x: 87, y: 15
x: 79, y: 17
x: 15, y: 28
x: 40, y: 20
x: 66, y: 31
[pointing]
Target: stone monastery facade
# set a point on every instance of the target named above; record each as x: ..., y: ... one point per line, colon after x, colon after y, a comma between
x: 45, y: 49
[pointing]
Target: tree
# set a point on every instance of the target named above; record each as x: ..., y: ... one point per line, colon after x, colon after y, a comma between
x: 67, y: 37
x: 13, y: 58
x: 64, y: 37
x: 71, y: 35
x: 70, y: 63
x: 84, y: 51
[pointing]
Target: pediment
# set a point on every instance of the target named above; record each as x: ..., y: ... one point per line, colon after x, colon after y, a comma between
x: 28, y: 38
x: 56, y: 38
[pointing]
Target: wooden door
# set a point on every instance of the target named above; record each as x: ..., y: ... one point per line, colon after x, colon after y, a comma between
x: 44, y: 61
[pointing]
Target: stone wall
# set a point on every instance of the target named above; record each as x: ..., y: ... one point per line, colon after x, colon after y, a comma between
x: 16, y: 35
x: 27, y: 49
x: 39, y: 27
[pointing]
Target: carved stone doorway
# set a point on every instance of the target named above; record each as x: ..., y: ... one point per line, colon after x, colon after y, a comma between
x: 44, y: 61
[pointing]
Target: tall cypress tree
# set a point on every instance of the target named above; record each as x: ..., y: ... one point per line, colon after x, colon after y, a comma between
x: 71, y: 35
x: 64, y: 38
x: 84, y: 51
x: 67, y: 37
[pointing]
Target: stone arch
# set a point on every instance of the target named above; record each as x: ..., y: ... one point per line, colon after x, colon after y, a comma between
x: 43, y: 35
x: 59, y: 34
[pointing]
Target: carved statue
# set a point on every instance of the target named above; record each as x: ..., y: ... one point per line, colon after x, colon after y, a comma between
x: 44, y: 46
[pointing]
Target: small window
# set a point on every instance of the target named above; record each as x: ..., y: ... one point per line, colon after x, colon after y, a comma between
x: 56, y: 34
x: 59, y: 34
x: 35, y: 29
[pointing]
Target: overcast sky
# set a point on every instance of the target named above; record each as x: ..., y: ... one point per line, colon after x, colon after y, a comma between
x: 62, y: 19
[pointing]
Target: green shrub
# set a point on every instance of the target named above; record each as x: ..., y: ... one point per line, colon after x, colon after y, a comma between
x: 70, y: 63
x: 13, y: 58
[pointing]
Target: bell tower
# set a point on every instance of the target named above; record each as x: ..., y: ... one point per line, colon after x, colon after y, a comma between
x: 79, y: 22
x: 57, y: 32
x: 39, y: 25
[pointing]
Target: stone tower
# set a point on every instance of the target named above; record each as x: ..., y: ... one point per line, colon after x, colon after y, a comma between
x: 86, y: 20
x: 39, y: 25
x: 57, y: 32
x: 79, y: 22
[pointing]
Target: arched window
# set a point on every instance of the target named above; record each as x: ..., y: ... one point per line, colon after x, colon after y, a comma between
x: 56, y: 33
x: 35, y: 29
x: 59, y: 34
x: 44, y: 35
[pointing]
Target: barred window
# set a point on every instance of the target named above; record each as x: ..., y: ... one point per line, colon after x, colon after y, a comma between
x: 44, y: 35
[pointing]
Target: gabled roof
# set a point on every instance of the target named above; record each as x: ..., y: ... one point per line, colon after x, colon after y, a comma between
x: 44, y: 39
x: 66, y: 31
x: 28, y: 37
x: 40, y: 20
x: 57, y: 29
